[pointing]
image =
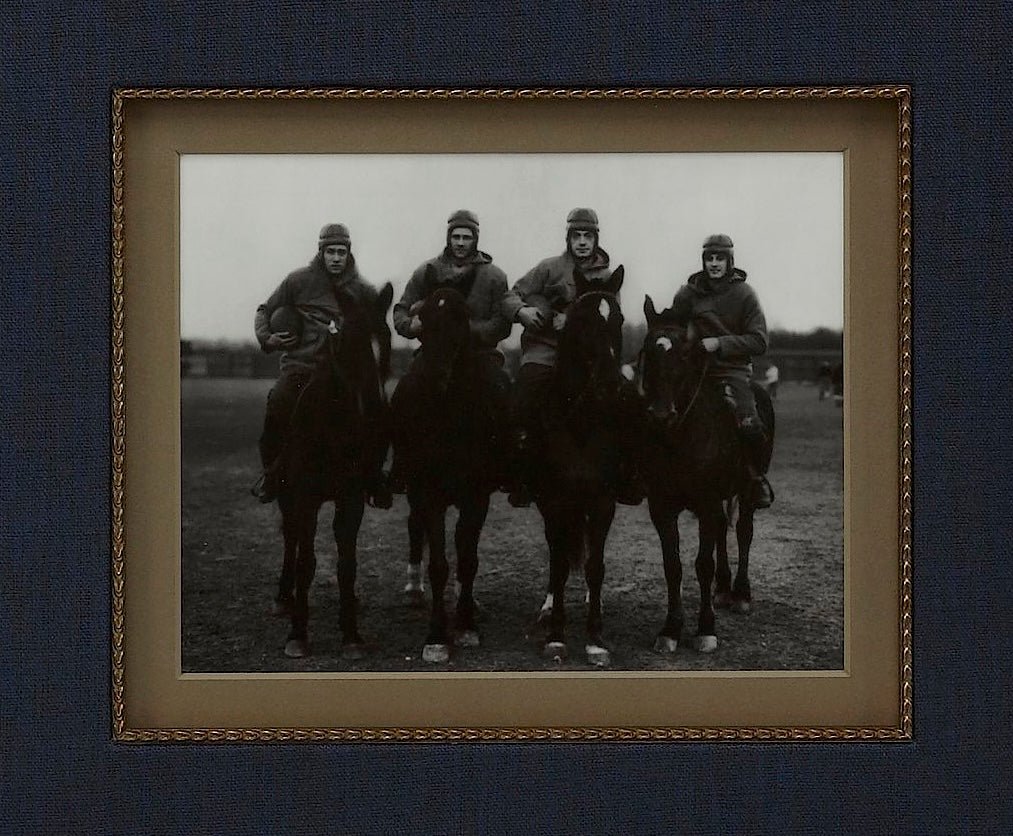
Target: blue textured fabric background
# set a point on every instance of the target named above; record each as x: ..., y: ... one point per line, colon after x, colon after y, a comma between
x: 60, y: 771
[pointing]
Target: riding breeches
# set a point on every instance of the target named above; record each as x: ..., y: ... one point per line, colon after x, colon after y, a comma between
x: 738, y: 394
x: 530, y: 389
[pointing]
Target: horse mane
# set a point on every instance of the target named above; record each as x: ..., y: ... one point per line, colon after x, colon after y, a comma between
x: 583, y: 364
x: 450, y: 305
x: 463, y: 283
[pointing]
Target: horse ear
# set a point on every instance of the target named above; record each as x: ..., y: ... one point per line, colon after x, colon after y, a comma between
x: 649, y: 311
x: 615, y: 281
x: 385, y: 298
x: 580, y: 282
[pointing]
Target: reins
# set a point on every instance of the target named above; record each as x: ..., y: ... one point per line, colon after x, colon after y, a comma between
x: 696, y: 393
x: 641, y: 379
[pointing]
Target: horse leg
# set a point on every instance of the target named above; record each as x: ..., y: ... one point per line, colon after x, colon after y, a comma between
x: 710, y: 524
x: 723, y: 573
x: 666, y: 523
x: 562, y: 533
x: 414, y: 588
x: 281, y: 607
x: 437, y: 647
x: 347, y: 519
x: 599, y: 522
x: 305, y: 523
x: 466, y: 535
x: 741, y: 594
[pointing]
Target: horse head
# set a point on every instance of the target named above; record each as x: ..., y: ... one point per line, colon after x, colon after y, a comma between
x: 446, y: 332
x: 671, y: 360
x: 590, y: 345
x: 357, y: 350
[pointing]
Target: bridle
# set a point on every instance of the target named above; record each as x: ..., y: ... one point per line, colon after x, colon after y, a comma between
x: 451, y: 357
x: 677, y: 396
x: 590, y: 384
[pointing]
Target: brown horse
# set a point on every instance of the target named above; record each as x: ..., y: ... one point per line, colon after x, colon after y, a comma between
x: 575, y: 482
x: 692, y: 460
x: 337, y: 441
x: 447, y: 451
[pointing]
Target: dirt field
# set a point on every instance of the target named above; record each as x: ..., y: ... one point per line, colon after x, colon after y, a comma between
x: 232, y: 554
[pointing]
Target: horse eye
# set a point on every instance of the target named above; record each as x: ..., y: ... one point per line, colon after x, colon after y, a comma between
x: 664, y: 343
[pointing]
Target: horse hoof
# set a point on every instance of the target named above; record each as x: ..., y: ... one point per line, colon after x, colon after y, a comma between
x: 281, y: 607
x: 297, y: 648
x: 467, y: 638
x: 554, y: 650
x: 742, y: 607
x: 353, y: 651
x: 666, y: 644
x: 436, y: 653
x: 722, y: 600
x: 706, y: 644
x: 597, y: 655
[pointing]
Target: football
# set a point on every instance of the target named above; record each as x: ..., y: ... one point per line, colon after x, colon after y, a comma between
x: 286, y: 318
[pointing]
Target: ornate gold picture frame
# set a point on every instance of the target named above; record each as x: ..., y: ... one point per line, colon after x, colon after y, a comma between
x: 153, y: 700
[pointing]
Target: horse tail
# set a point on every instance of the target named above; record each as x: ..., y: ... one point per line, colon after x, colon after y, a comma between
x: 578, y: 555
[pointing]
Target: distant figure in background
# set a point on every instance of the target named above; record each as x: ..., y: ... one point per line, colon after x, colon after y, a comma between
x: 733, y: 329
x: 770, y: 381
x: 837, y: 377
x: 295, y: 320
x: 824, y: 380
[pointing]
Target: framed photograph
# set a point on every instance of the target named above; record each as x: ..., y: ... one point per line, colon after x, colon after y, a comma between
x: 659, y: 488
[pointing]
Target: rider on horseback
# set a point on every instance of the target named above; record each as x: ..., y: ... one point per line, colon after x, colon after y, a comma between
x: 730, y: 322
x: 538, y: 301
x: 315, y: 294
x: 462, y: 266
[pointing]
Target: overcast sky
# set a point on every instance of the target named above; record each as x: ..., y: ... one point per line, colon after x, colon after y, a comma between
x: 248, y: 220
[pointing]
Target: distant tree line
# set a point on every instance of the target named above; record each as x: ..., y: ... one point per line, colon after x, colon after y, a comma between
x: 245, y: 359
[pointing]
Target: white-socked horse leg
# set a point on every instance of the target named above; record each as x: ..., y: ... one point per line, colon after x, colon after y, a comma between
x: 414, y: 588
x: 545, y: 613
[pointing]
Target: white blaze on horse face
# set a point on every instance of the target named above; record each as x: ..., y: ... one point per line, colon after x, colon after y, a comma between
x: 664, y: 343
x: 604, y: 309
x: 441, y: 303
x: 332, y: 327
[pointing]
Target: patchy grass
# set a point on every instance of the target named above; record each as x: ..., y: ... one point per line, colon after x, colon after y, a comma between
x: 232, y: 555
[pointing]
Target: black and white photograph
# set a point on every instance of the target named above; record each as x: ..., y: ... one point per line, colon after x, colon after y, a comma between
x: 537, y: 412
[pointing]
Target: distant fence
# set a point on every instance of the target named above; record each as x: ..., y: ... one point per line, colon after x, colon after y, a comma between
x: 797, y: 364
x: 793, y: 364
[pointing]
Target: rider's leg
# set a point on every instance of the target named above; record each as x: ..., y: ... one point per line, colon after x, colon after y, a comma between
x: 497, y: 384
x: 376, y: 413
x: 529, y: 391
x: 630, y: 488
x: 752, y: 435
x: 280, y: 404
x: 402, y: 400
